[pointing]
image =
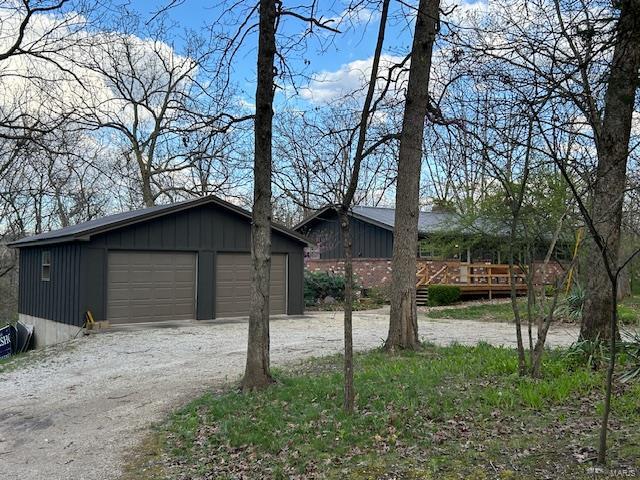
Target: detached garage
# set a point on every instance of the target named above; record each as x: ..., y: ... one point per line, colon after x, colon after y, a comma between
x: 185, y: 261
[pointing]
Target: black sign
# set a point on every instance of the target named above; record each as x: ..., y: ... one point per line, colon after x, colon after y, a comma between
x: 5, y: 341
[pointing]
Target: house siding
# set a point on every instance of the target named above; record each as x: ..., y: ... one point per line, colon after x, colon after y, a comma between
x: 368, y: 240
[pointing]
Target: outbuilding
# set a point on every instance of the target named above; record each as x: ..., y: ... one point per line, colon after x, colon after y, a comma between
x: 184, y: 261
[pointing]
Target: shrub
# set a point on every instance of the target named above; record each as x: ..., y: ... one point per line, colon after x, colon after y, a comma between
x: 571, y: 307
x: 379, y: 295
x: 443, y: 294
x: 319, y: 285
x: 631, y: 347
x: 589, y: 353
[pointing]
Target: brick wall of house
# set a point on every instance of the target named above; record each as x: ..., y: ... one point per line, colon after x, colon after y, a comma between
x: 371, y: 272
x: 376, y: 272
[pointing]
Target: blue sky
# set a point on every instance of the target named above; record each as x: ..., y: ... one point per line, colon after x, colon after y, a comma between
x: 355, y: 42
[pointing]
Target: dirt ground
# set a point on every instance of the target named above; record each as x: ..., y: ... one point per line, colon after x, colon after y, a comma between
x: 74, y: 411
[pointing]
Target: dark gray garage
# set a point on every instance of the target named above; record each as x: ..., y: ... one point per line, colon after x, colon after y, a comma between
x: 183, y: 261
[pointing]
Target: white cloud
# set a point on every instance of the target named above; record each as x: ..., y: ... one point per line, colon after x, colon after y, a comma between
x: 73, y: 73
x: 459, y: 8
x: 349, y: 79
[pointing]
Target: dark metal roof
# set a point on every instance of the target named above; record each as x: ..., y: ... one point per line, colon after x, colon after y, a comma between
x: 428, y: 222
x: 84, y: 231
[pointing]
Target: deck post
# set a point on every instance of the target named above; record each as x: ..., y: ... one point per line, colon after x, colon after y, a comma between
x: 490, y: 283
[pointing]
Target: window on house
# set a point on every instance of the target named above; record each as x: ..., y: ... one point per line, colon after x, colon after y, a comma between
x: 46, y: 266
x: 431, y: 250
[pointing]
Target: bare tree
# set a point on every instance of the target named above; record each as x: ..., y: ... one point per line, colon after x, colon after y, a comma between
x: 270, y: 14
x: 586, y: 66
x: 314, y: 153
x: 152, y: 105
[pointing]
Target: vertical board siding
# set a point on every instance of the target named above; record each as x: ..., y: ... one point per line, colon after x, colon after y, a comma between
x: 93, y: 277
x: 206, y: 286
x: 295, y: 282
x: 57, y: 299
x: 368, y: 240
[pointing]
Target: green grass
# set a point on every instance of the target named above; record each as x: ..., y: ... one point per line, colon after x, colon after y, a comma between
x: 455, y: 412
x: 628, y: 311
x: 13, y: 362
x: 21, y: 360
x: 360, y: 304
x: 33, y: 357
x: 495, y: 312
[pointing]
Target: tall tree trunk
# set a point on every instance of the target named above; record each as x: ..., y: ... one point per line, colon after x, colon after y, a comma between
x: 257, y: 373
x: 403, y: 322
x: 613, y: 150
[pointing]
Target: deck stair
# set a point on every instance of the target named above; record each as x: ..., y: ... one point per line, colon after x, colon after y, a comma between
x: 422, y: 296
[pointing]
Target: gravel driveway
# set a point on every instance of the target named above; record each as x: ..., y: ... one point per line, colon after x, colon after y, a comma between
x: 73, y: 413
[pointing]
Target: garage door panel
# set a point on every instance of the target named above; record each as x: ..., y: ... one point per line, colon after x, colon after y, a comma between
x: 183, y: 277
x: 278, y: 284
x: 119, y: 276
x: 163, y: 276
x: 164, y: 293
x: 184, y: 293
x: 233, y: 281
x: 139, y: 276
x: 151, y: 286
x: 117, y: 295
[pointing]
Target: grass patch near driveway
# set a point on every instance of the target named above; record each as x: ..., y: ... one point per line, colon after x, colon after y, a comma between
x: 454, y: 412
x: 492, y: 312
x: 35, y: 356
x: 628, y: 311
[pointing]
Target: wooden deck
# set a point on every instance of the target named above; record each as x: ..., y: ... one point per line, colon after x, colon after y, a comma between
x: 472, y: 278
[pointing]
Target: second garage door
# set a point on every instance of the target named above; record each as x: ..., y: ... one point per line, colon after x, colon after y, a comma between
x: 233, y: 278
x: 151, y: 286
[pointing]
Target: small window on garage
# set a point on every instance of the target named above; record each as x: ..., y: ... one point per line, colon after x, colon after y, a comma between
x: 46, y: 266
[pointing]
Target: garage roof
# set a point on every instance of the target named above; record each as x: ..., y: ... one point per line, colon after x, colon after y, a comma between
x: 84, y: 231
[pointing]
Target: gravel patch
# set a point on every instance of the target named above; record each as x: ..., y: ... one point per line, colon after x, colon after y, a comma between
x: 75, y: 412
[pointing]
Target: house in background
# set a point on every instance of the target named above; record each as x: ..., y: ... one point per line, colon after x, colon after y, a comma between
x: 184, y: 261
x: 472, y: 256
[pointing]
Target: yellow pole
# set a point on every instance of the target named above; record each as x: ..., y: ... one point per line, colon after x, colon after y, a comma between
x: 579, y: 235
